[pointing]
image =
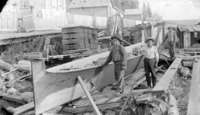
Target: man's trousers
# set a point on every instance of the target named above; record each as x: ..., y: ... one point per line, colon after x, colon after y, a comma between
x: 119, y: 73
x: 149, y: 67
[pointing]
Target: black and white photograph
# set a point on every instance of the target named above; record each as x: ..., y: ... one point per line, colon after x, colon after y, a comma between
x: 100, y: 57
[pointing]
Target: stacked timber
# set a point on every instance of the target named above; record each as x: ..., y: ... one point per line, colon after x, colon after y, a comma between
x: 79, y: 37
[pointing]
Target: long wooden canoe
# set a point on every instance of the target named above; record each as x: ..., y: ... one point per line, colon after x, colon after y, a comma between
x: 57, y: 85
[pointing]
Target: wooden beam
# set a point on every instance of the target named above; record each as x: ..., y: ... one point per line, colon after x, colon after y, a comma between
x: 11, y: 98
x: 5, y: 66
x: 164, y: 82
x: 194, y: 96
x: 189, y: 49
x: 188, y: 57
x: 90, y: 109
x: 21, y: 109
x: 4, y: 74
x: 89, y: 96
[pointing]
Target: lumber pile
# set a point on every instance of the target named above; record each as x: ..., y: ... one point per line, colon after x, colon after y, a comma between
x: 15, y: 86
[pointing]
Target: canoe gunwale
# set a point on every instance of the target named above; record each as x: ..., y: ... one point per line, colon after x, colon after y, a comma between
x: 60, y: 68
x: 86, y: 68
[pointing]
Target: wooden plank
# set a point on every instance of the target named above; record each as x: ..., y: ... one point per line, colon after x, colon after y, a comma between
x: 89, y: 96
x: 188, y: 57
x: 194, y: 96
x: 12, y: 98
x: 164, y: 82
x: 29, y: 34
x: 189, y: 49
x: 89, y: 107
x: 21, y: 109
x: 5, y: 66
x: 133, y: 80
x: 4, y: 74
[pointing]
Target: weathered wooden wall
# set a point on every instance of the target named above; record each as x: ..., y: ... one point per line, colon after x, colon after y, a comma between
x: 8, y: 17
x: 49, y: 14
x: 28, y: 15
x: 14, y: 51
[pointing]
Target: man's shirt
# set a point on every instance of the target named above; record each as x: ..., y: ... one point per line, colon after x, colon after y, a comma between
x: 117, y: 54
x: 170, y: 39
x: 151, y: 53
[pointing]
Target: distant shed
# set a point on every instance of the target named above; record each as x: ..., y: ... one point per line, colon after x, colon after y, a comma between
x: 189, y: 35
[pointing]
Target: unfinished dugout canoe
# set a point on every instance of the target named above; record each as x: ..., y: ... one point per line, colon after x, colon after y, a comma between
x: 58, y: 85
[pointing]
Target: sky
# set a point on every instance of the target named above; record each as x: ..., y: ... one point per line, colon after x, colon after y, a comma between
x: 176, y: 9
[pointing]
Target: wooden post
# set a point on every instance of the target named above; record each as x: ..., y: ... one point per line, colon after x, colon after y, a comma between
x: 89, y: 96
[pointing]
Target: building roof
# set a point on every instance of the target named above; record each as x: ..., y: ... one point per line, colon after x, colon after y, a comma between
x: 125, y: 4
x: 133, y: 12
x: 88, y: 3
x: 193, y: 28
x: 183, y: 22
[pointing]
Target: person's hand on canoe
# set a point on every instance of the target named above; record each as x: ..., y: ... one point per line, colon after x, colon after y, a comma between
x: 99, y: 69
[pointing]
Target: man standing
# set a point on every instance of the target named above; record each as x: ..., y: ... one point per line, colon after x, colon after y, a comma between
x: 150, y: 62
x: 171, y: 39
x: 119, y: 57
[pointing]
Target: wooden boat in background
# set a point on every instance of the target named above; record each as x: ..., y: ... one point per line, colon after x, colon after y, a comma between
x: 58, y: 85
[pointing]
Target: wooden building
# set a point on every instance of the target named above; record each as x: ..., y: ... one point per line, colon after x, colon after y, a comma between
x: 188, y: 35
x: 9, y: 16
x: 29, y: 15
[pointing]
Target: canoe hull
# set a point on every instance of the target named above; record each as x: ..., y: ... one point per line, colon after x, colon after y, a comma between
x: 54, y: 89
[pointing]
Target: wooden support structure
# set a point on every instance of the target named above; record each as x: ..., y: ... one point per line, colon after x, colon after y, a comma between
x: 194, y: 96
x: 89, y: 96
